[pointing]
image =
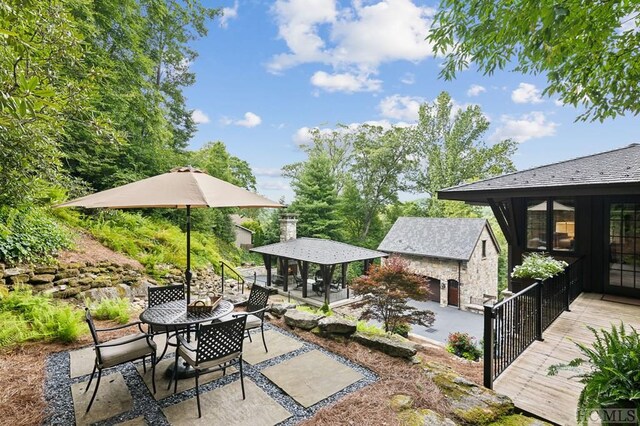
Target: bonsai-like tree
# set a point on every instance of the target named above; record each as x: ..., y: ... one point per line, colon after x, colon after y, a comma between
x: 385, y: 292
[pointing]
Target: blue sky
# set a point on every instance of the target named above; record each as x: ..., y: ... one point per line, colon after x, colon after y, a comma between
x: 269, y: 70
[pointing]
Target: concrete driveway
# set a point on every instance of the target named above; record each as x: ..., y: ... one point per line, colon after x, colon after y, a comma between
x: 449, y: 319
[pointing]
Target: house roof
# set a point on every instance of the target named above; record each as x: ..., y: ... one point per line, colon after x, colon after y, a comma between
x: 237, y: 221
x: 594, y: 173
x: 316, y: 250
x: 445, y: 238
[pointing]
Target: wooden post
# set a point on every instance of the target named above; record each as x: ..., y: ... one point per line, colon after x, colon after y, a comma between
x: 305, y: 277
x: 344, y: 274
x: 285, y: 273
x: 267, y: 264
x: 489, y: 347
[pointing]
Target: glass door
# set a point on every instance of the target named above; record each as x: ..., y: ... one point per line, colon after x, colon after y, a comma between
x: 624, y: 249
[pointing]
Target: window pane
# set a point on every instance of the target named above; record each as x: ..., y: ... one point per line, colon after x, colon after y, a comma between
x: 537, y: 224
x: 564, y: 225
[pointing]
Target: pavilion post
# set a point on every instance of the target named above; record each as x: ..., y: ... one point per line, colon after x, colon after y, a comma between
x: 285, y: 273
x: 344, y: 274
x: 304, y: 272
x: 267, y: 264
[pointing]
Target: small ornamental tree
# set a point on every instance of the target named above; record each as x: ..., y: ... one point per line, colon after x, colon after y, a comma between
x: 385, y: 292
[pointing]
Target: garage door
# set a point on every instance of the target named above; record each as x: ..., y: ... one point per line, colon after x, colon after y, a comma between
x: 434, y: 289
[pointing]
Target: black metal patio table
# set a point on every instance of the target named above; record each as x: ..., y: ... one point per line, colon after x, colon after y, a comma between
x: 174, y: 316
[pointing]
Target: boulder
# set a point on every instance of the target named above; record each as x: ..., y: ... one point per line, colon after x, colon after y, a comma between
x: 401, y: 402
x: 42, y: 279
x: 424, y: 417
x: 67, y: 293
x: 12, y: 272
x: 101, y: 281
x: 67, y: 273
x: 393, y: 346
x: 300, y: 319
x: 337, y: 325
x: 471, y: 403
x: 124, y: 290
x: 98, y: 294
x: 278, y: 309
x: 45, y: 270
x: 141, y: 288
x: 18, y: 279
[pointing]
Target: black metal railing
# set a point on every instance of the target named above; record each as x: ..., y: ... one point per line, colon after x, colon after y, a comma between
x: 230, y: 268
x: 512, y: 325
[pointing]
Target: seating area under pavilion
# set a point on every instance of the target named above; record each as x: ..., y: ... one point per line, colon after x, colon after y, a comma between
x: 295, y: 257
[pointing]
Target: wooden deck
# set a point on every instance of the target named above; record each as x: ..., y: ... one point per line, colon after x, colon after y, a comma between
x: 555, y: 397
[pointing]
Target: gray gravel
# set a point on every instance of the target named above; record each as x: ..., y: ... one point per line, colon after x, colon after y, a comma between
x: 60, y: 405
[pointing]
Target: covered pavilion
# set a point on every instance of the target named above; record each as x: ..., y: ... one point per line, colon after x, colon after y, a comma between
x: 326, y: 254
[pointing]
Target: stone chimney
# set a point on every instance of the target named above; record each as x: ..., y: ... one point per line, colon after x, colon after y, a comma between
x: 288, y: 226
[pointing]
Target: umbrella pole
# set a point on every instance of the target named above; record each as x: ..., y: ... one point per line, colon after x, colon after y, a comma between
x: 187, y: 273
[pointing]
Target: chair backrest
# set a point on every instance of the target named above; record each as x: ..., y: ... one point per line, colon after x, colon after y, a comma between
x: 258, y: 299
x: 94, y: 334
x: 220, y: 339
x: 163, y: 294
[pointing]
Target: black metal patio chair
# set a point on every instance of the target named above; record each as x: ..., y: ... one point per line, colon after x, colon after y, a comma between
x: 218, y: 346
x: 157, y: 296
x: 119, y: 351
x: 256, y: 306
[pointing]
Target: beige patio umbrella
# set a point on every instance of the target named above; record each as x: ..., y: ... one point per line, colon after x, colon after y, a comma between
x: 182, y: 187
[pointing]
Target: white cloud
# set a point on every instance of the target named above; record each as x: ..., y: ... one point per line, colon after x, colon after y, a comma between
x: 475, y: 90
x: 558, y: 102
x: 400, y: 107
x: 526, y: 94
x: 354, y: 39
x: 345, y: 82
x: 274, y: 185
x: 229, y: 13
x: 267, y: 171
x: 529, y: 126
x: 408, y: 79
x: 250, y: 120
x: 199, y: 117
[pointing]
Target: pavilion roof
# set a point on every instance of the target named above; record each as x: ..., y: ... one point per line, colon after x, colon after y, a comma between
x: 319, y: 251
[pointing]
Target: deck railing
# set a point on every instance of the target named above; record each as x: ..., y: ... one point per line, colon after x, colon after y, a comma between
x: 230, y: 268
x: 512, y: 325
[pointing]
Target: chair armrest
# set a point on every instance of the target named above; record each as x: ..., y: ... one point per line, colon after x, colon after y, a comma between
x: 184, y: 343
x: 133, y: 339
x: 239, y: 314
x: 138, y: 323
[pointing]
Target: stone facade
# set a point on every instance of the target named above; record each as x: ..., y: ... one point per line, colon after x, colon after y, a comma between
x: 478, y: 276
x: 288, y: 226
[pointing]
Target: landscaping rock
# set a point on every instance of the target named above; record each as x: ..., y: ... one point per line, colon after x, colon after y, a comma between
x: 401, y: 402
x: 42, y: 279
x: 141, y: 288
x: 45, y: 270
x: 18, y: 279
x: 124, y: 291
x: 98, y: 294
x: 471, y: 403
x: 12, y: 272
x: 424, y: 417
x: 300, y: 319
x: 67, y: 293
x: 278, y: 309
x: 67, y: 273
x: 397, y: 347
x: 100, y: 281
x: 337, y: 325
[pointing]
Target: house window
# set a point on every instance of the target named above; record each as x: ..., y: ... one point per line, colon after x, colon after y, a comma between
x: 484, y: 248
x: 537, y: 224
x: 551, y: 224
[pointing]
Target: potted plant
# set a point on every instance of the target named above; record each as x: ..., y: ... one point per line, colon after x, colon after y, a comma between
x: 535, y: 267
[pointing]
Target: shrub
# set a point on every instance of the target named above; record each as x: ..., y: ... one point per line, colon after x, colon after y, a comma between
x: 26, y: 316
x: 464, y: 346
x: 315, y: 311
x: 402, y: 329
x: 112, y: 309
x: 367, y: 328
x: 539, y: 266
x: 30, y: 234
x: 612, y: 379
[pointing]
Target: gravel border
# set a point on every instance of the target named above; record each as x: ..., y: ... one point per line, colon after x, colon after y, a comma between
x: 57, y: 388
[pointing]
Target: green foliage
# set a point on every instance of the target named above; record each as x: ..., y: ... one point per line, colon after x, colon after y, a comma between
x: 385, y: 292
x: 258, y: 233
x: 112, y: 309
x: 368, y: 328
x: 26, y: 316
x: 402, y: 328
x: 612, y: 376
x: 214, y: 158
x: 30, y: 234
x: 585, y: 49
x: 316, y: 311
x: 464, y: 346
x: 539, y: 266
x: 155, y: 242
x: 316, y: 200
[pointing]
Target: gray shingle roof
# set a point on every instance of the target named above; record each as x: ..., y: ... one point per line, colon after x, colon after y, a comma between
x: 620, y: 166
x: 316, y: 250
x: 445, y: 238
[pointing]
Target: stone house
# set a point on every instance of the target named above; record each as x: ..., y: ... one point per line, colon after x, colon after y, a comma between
x: 459, y: 256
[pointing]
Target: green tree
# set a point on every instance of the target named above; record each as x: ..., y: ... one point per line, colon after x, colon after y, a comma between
x: 385, y: 291
x: 214, y: 158
x: 316, y: 199
x: 450, y: 146
x: 587, y: 50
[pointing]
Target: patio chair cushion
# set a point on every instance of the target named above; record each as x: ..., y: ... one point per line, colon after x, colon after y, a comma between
x: 190, y: 357
x: 252, y: 320
x: 127, y: 350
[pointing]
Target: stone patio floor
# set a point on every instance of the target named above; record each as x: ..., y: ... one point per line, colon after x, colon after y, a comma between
x: 283, y: 387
